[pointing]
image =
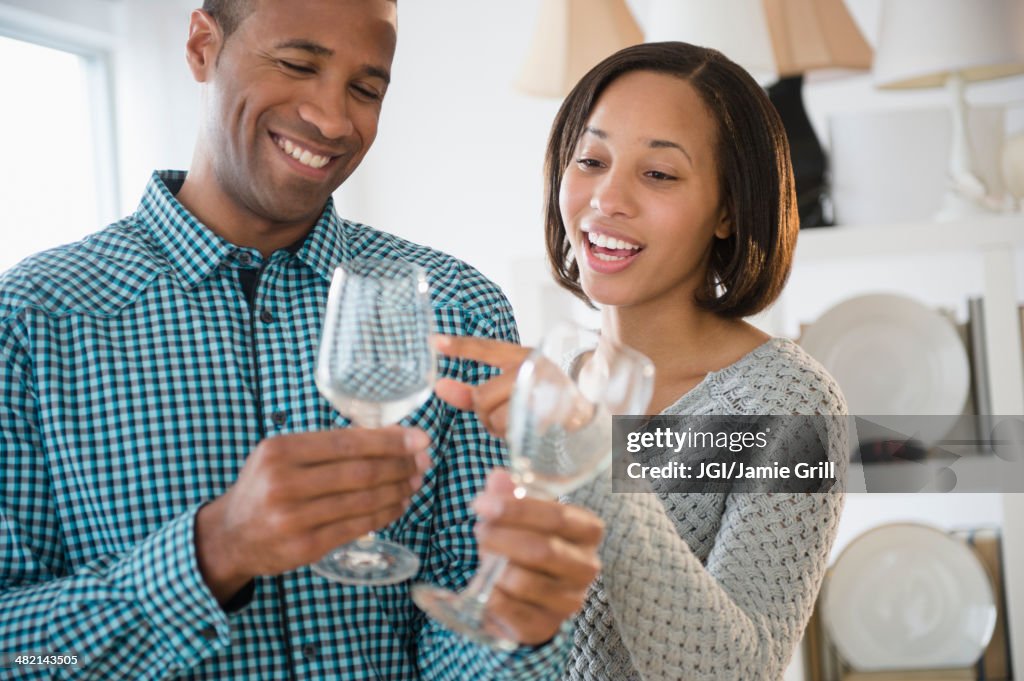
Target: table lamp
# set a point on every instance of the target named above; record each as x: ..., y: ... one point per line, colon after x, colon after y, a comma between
x: 933, y: 43
x: 571, y: 37
x: 783, y: 39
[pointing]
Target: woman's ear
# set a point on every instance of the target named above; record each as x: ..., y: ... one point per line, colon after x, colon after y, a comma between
x: 723, y: 230
x: 204, y: 43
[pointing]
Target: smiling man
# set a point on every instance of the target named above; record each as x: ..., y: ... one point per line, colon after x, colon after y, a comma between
x: 167, y: 469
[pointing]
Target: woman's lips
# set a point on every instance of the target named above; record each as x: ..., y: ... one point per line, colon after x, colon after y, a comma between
x: 604, y: 260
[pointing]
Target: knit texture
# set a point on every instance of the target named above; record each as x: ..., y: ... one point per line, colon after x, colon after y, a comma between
x: 714, y: 586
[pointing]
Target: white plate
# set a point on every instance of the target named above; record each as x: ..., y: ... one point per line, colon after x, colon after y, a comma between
x: 891, y: 355
x: 908, y: 596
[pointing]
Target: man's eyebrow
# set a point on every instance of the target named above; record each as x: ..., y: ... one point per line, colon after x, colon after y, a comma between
x: 307, y: 45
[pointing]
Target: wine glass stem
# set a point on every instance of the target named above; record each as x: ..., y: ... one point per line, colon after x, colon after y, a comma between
x: 480, y: 588
x: 367, y: 421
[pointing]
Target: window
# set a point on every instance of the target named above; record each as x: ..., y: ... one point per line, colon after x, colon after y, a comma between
x: 56, y: 173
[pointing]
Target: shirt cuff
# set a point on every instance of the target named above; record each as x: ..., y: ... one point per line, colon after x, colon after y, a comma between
x: 544, y: 661
x: 172, y: 595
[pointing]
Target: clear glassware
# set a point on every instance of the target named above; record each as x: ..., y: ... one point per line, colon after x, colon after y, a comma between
x: 559, y: 437
x: 375, y: 366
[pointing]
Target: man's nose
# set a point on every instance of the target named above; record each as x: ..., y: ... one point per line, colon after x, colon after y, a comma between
x: 329, y: 112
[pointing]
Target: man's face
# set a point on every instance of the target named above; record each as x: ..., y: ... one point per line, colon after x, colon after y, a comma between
x: 294, y: 97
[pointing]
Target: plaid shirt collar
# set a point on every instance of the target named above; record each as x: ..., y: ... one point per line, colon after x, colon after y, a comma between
x: 193, y: 251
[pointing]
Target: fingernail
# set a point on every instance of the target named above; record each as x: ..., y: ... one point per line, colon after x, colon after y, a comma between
x: 416, y: 440
x: 441, y: 342
x: 416, y: 482
x: 486, y: 506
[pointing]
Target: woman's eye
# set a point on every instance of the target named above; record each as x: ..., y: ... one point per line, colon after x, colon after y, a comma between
x: 588, y: 163
x: 658, y: 175
x: 298, y: 68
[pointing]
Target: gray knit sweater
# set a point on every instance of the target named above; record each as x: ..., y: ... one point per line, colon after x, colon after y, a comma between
x: 713, y: 586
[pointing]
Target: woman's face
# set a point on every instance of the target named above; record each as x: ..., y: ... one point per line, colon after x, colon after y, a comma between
x: 640, y: 199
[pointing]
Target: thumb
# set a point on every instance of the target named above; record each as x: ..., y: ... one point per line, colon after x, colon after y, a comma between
x: 499, y: 482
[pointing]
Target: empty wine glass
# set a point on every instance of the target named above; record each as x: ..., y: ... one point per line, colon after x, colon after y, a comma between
x: 559, y: 437
x: 375, y: 366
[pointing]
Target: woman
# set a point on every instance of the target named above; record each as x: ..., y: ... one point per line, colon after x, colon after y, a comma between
x: 670, y: 204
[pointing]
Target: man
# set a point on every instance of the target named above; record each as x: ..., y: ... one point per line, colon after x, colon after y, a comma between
x: 168, y: 471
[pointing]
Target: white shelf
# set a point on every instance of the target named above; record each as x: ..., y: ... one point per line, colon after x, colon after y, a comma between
x: 849, y: 241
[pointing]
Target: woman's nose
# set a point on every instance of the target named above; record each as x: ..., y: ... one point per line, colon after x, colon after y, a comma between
x: 613, y: 196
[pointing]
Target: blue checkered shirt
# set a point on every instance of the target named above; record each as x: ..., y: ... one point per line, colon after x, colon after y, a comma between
x: 135, y: 379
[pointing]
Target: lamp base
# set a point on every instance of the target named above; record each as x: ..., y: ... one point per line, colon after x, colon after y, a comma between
x: 958, y: 206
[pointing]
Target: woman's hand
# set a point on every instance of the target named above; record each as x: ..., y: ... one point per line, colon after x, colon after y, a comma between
x: 552, y: 552
x: 489, y: 400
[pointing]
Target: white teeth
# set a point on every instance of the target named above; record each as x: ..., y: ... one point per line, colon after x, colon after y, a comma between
x: 605, y: 241
x: 303, y: 156
x: 608, y: 258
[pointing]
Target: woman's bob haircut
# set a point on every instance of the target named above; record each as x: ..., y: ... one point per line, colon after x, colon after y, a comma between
x: 747, y: 270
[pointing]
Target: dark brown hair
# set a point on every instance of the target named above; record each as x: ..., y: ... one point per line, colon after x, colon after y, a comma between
x: 228, y: 13
x: 747, y: 270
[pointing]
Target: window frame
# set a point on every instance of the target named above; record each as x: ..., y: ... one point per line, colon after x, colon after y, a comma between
x: 96, y: 50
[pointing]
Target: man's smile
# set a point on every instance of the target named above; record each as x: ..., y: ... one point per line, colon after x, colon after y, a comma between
x: 302, y: 153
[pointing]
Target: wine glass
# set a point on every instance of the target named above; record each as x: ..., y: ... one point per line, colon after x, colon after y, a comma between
x: 559, y: 437
x: 375, y: 366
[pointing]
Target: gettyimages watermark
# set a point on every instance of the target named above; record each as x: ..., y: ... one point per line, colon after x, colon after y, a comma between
x: 818, y: 454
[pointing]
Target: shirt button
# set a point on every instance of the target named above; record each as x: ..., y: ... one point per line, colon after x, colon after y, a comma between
x: 279, y: 418
x: 208, y: 633
x: 266, y: 316
x: 309, y: 651
x: 245, y: 258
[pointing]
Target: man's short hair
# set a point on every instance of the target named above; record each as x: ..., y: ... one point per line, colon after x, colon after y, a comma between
x: 228, y: 13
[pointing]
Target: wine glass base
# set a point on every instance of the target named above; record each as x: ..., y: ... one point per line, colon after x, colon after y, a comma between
x: 449, y: 608
x: 370, y: 562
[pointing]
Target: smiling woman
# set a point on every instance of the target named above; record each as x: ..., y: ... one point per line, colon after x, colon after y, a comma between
x: 63, y: 110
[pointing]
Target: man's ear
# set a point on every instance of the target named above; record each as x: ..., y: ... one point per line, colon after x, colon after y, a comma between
x: 204, y: 43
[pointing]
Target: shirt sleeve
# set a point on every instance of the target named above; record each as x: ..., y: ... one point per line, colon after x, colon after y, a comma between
x: 470, y: 452
x: 143, y: 614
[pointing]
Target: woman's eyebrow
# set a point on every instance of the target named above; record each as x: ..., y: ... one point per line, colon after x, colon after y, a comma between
x: 669, y: 144
x: 653, y: 144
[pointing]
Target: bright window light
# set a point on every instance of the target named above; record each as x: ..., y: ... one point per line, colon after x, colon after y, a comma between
x: 49, y: 193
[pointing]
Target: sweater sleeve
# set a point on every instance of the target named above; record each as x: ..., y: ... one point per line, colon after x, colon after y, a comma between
x: 738, y: 616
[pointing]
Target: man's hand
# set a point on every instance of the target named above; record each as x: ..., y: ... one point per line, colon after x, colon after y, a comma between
x: 488, y: 400
x: 299, y: 496
x: 552, y: 554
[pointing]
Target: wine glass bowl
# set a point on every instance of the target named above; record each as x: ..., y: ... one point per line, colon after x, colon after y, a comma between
x: 375, y: 366
x: 559, y: 437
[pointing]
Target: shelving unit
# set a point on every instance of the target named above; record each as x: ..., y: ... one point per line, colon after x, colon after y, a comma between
x: 996, y: 239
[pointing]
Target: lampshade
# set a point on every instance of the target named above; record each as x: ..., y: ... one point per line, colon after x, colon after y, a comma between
x: 781, y: 37
x: 571, y: 37
x: 922, y: 42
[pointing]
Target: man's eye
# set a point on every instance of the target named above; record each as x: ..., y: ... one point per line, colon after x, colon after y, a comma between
x: 368, y: 93
x: 298, y: 68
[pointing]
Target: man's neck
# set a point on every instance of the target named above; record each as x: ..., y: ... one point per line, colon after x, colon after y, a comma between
x: 201, y: 196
